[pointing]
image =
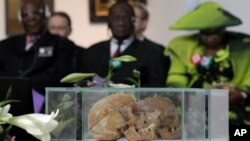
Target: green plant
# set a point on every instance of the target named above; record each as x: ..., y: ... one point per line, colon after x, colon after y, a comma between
x: 114, y: 64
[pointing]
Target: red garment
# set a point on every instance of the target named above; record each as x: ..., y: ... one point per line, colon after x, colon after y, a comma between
x: 118, y: 50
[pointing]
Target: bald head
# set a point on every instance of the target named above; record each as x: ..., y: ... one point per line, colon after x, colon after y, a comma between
x: 33, y: 16
x: 121, y: 20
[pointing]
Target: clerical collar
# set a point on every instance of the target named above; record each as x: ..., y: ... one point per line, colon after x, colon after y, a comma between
x: 125, y: 44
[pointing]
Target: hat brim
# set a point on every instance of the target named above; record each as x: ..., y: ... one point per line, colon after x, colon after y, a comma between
x: 206, y: 18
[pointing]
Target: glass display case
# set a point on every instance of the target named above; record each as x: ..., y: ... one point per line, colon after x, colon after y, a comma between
x: 91, y: 114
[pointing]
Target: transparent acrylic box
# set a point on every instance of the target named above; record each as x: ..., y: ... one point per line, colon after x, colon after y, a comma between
x: 201, y: 114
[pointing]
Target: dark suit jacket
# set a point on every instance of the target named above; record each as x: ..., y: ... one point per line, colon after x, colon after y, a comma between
x: 153, y: 44
x: 150, y: 62
x: 50, y: 59
x: 158, y: 47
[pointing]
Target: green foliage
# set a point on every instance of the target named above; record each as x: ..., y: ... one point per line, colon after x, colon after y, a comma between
x: 137, y: 81
x: 5, y: 102
x: 76, y: 77
x: 125, y: 58
x: 4, y: 133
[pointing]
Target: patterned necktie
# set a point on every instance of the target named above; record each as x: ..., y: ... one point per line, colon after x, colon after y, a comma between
x: 118, y: 50
x: 30, y: 41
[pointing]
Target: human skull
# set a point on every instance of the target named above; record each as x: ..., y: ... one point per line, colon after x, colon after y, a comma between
x: 120, y: 115
x: 106, y: 117
x: 169, y: 126
x: 155, y: 116
x: 143, y: 128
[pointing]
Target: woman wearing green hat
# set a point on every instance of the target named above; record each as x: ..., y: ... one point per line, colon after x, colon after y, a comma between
x: 212, y: 58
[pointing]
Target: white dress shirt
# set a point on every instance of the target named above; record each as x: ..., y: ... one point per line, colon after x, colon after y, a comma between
x: 125, y: 44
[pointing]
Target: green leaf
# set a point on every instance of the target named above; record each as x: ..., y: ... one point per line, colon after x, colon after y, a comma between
x: 133, y: 81
x: 5, y: 102
x: 4, y: 133
x: 136, y: 73
x: 9, y: 92
x: 66, y: 97
x: 76, y: 77
x: 125, y: 58
x: 66, y: 105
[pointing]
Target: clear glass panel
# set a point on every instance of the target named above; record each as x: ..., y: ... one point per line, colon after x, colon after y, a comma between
x: 219, y: 123
x: 66, y: 101
x: 140, y: 113
x: 194, y: 114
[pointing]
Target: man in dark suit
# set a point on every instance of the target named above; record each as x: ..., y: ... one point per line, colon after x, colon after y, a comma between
x: 150, y: 61
x: 38, y: 55
x: 60, y: 23
x: 141, y: 23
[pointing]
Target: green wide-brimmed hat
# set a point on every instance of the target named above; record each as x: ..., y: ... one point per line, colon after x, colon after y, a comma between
x: 208, y: 15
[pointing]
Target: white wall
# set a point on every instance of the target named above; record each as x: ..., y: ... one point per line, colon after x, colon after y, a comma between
x: 163, y: 14
x: 2, y: 19
x: 84, y: 33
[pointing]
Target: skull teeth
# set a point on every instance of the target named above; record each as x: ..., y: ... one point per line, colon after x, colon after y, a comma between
x: 175, y: 130
x: 146, y: 130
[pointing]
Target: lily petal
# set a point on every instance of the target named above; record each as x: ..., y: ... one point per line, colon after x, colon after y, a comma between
x: 38, y: 125
x: 4, y: 115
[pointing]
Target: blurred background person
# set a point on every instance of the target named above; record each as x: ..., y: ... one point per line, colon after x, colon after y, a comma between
x: 141, y: 24
x: 150, y: 62
x: 59, y: 23
x: 38, y: 55
x: 212, y: 58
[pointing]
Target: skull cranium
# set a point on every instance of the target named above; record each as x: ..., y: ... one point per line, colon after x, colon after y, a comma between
x: 120, y: 115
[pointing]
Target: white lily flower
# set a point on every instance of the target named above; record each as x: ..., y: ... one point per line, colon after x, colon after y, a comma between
x: 38, y: 125
x: 4, y: 114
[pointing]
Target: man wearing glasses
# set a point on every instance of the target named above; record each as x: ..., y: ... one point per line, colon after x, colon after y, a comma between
x: 36, y: 54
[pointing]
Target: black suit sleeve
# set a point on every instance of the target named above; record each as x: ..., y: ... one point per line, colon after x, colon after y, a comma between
x: 156, y: 68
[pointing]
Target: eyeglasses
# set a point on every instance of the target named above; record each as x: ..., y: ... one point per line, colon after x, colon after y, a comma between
x: 35, y: 13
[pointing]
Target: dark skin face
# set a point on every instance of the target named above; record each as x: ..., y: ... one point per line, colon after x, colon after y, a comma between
x: 33, y: 18
x: 121, y: 23
x: 212, y: 39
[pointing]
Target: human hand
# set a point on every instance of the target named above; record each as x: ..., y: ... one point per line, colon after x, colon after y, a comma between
x: 235, y: 95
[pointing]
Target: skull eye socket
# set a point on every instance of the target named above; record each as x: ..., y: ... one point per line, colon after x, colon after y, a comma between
x: 119, y: 130
x: 145, y: 122
x: 169, y: 129
x: 124, y: 128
